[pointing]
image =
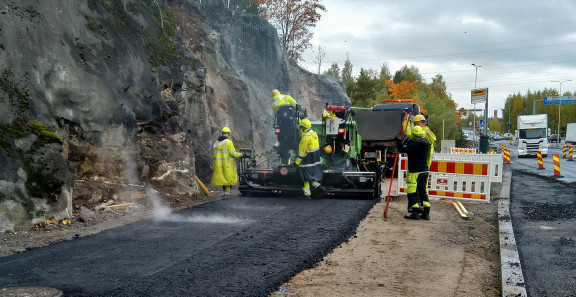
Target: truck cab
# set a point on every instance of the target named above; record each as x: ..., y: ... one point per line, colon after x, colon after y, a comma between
x: 532, y: 135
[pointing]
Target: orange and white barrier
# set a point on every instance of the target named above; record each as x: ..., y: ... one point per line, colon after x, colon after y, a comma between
x: 459, y: 150
x: 506, y: 154
x: 557, y: 165
x: 564, y: 150
x: 540, y: 162
x: 495, y: 160
x: 453, y: 179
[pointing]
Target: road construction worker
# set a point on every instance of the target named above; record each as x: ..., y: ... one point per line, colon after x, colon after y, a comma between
x: 329, y: 114
x: 281, y: 99
x: 309, y: 158
x: 225, y: 156
x: 418, y: 150
x: 419, y: 120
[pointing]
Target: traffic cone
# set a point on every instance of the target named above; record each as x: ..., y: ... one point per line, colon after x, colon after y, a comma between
x: 557, y: 166
x: 540, y: 162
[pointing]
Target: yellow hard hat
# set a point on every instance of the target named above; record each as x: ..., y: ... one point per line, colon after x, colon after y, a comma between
x: 275, y: 93
x: 328, y: 149
x: 305, y: 123
x: 419, y: 118
x: 226, y: 130
x: 418, y: 132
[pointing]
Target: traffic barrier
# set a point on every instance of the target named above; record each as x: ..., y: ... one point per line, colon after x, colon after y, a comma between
x: 556, y: 165
x: 453, y: 179
x: 506, y: 154
x: 459, y: 150
x: 495, y: 161
x: 491, y: 152
x: 540, y: 162
x: 570, y: 152
x: 510, y: 140
x: 564, y: 150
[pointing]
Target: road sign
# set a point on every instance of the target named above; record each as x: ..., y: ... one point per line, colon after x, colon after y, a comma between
x: 555, y: 100
x: 479, y: 95
x: 481, y: 123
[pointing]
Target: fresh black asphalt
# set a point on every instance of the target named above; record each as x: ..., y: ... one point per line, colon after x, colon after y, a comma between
x: 543, y: 216
x: 241, y: 246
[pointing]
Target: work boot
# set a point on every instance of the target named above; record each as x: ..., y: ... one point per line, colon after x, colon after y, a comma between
x: 412, y: 216
x: 318, y: 186
x: 425, y: 214
x: 307, y: 193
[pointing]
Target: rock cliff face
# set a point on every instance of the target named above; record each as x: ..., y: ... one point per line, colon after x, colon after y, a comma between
x: 95, y: 95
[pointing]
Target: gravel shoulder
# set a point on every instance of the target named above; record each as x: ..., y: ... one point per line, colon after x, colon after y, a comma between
x: 446, y: 256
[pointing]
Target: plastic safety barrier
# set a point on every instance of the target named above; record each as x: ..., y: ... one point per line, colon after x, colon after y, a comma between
x: 463, y: 180
x: 496, y: 162
x: 459, y: 150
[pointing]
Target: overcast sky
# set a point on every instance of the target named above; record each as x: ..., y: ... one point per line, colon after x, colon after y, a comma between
x: 520, y: 45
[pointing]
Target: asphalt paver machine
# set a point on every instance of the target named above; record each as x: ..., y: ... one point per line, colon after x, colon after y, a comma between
x: 357, y: 147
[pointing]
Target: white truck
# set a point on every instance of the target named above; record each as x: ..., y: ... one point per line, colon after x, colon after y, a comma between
x: 570, y: 133
x: 532, y: 134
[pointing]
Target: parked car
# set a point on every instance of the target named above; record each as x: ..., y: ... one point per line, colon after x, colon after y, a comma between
x: 554, y: 138
x: 507, y: 136
x: 496, y: 136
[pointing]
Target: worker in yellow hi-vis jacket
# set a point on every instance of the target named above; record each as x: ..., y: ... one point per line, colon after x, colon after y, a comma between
x: 419, y: 120
x: 225, y: 156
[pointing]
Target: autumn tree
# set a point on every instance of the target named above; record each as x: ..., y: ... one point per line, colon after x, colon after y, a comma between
x: 293, y: 20
x: 401, y: 90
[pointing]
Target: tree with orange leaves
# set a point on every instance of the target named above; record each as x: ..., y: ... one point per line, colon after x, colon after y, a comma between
x: 293, y: 20
x: 401, y: 90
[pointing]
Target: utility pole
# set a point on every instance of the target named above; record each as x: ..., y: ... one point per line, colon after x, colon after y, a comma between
x: 484, y: 141
x: 559, y: 107
x: 474, y: 106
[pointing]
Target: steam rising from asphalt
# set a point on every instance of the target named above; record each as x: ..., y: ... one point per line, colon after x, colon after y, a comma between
x: 162, y: 213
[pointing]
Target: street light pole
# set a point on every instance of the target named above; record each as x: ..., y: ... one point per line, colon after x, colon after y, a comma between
x: 559, y: 107
x: 474, y: 105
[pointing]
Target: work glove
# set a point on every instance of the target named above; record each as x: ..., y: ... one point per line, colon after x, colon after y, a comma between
x: 240, y: 155
x: 297, y: 162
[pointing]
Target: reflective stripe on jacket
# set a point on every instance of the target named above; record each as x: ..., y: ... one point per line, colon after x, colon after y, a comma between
x: 280, y: 100
x: 224, y: 163
x: 309, y: 156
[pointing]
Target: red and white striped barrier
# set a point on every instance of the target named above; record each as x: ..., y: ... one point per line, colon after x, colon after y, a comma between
x: 495, y: 160
x: 459, y: 150
x: 453, y: 179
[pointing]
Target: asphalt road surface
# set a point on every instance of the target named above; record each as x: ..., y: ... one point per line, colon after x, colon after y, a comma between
x: 530, y: 164
x: 241, y: 246
x: 544, y: 221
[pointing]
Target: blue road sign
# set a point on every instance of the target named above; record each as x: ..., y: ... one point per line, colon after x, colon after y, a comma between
x: 555, y: 100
